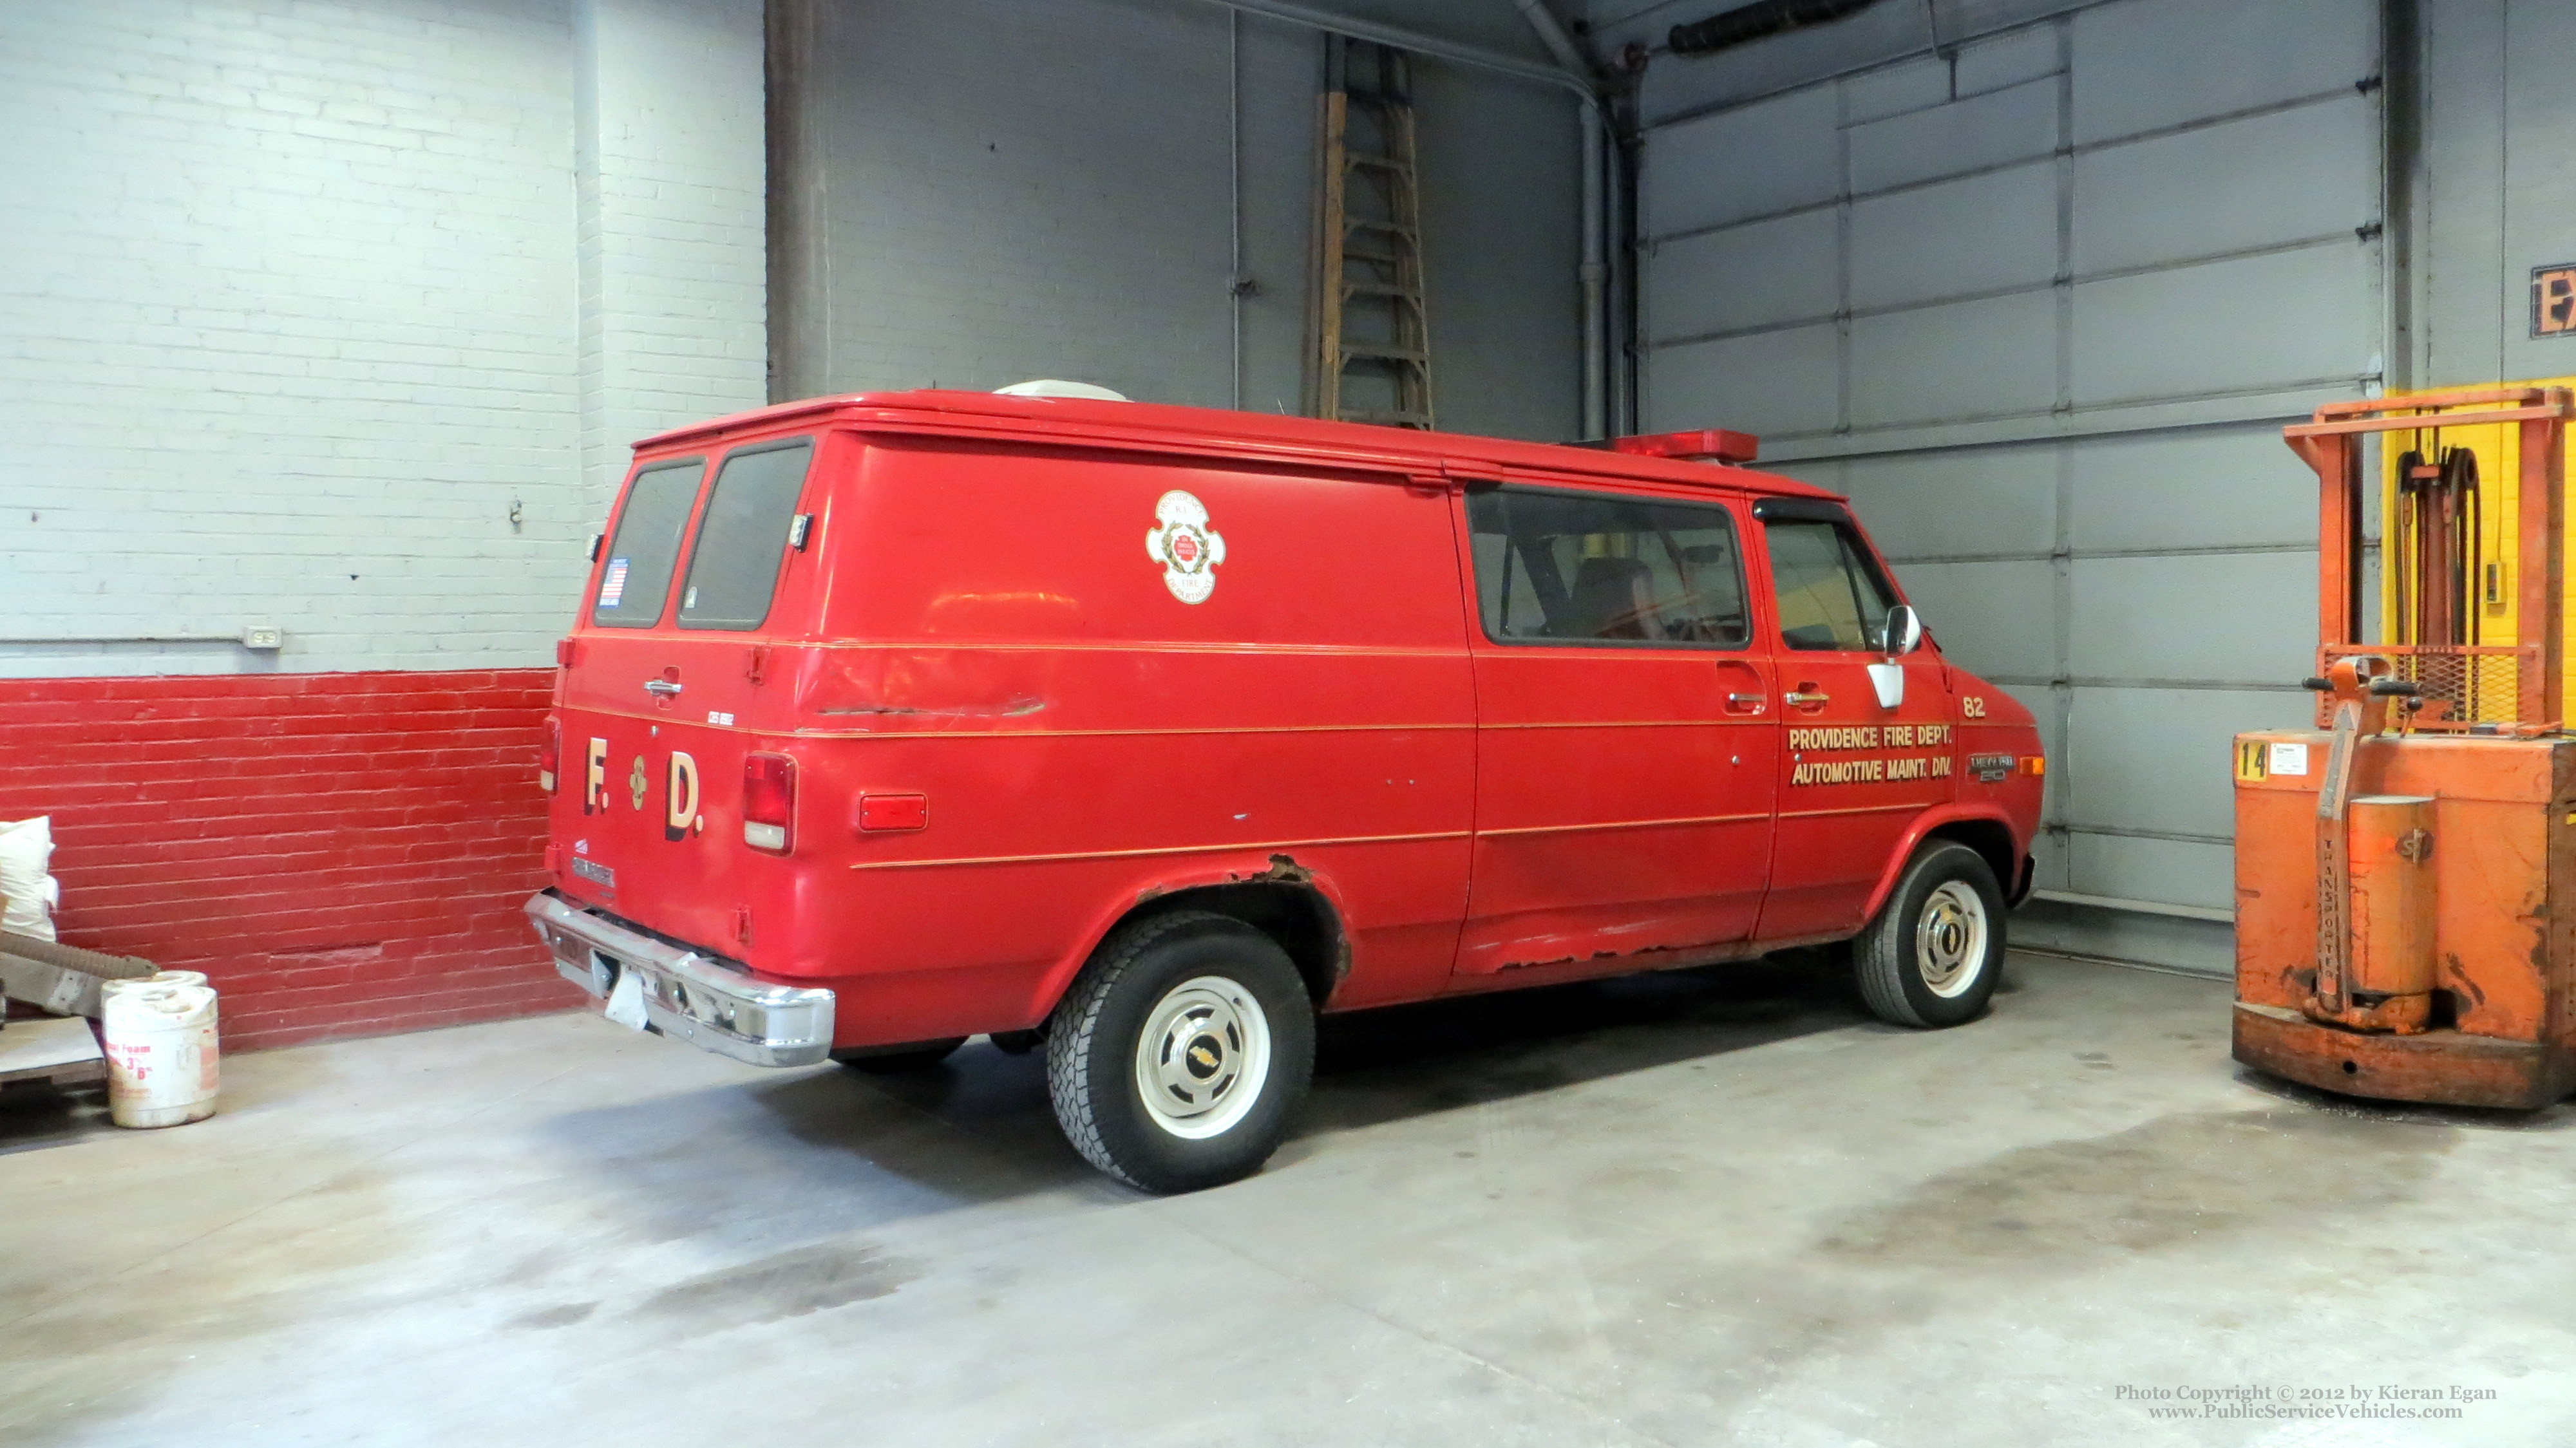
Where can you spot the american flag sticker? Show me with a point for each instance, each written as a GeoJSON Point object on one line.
{"type": "Point", "coordinates": [612, 584]}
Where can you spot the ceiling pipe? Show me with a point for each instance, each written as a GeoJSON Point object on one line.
{"type": "Point", "coordinates": [1552, 35]}
{"type": "Point", "coordinates": [1571, 73]}
{"type": "Point", "coordinates": [1595, 271]}
{"type": "Point", "coordinates": [1411, 40]}
{"type": "Point", "coordinates": [1747, 23]}
{"type": "Point", "coordinates": [1594, 275]}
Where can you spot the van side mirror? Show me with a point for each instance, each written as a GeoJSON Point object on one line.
{"type": "Point", "coordinates": [1903, 633]}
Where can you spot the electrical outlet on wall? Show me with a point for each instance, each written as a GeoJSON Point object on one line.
{"type": "Point", "coordinates": [263, 636]}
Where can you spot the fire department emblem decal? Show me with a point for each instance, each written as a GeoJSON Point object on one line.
{"type": "Point", "coordinates": [1186, 546]}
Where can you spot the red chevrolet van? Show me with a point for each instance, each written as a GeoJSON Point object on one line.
{"type": "Point", "coordinates": [1144, 734]}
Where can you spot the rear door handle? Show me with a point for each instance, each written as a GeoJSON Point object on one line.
{"type": "Point", "coordinates": [666, 688]}
{"type": "Point", "coordinates": [1746, 703]}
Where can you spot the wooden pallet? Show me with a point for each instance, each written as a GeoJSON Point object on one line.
{"type": "Point", "coordinates": [63, 1051]}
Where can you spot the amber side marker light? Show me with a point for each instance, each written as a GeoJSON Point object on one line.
{"type": "Point", "coordinates": [769, 802]}
{"type": "Point", "coordinates": [2035, 765]}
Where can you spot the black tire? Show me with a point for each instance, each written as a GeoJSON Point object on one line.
{"type": "Point", "coordinates": [1131, 987]}
{"type": "Point", "coordinates": [1914, 961]}
{"type": "Point", "coordinates": [896, 1060]}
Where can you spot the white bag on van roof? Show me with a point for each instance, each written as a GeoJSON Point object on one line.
{"type": "Point", "coordinates": [26, 848]}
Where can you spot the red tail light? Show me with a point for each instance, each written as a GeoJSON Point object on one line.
{"type": "Point", "coordinates": [550, 754]}
{"type": "Point", "coordinates": [769, 802]}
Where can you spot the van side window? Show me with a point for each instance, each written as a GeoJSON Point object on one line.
{"type": "Point", "coordinates": [636, 581]}
{"type": "Point", "coordinates": [1830, 593]}
{"type": "Point", "coordinates": [742, 541]}
{"type": "Point", "coordinates": [1598, 568]}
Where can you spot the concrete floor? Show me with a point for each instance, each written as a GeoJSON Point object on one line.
{"type": "Point", "coordinates": [1712, 1207]}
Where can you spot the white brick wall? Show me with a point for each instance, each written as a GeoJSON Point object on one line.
{"type": "Point", "coordinates": [294, 317]}
{"type": "Point", "coordinates": [672, 235]}
{"type": "Point", "coordinates": [300, 300]}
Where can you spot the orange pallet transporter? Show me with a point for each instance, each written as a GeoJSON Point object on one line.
{"type": "Point", "coordinates": [2406, 875]}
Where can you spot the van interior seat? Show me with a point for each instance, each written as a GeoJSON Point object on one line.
{"type": "Point", "coordinates": [1614, 599]}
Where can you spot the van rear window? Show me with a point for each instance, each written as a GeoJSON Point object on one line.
{"type": "Point", "coordinates": [636, 581]}
{"type": "Point", "coordinates": [742, 541]}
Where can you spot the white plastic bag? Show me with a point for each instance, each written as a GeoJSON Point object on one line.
{"type": "Point", "coordinates": [26, 848]}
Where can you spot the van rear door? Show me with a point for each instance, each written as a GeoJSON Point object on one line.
{"type": "Point", "coordinates": [1856, 772]}
{"type": "Point", "coordinates": [664, 697]}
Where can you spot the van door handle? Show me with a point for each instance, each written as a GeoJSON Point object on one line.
{"type": "Point", "coordinates": [1798, 700]}
{"type": "Point", "coordinates": [664, 688]}
{"type": "Point", "coordinates": [1745, 703]}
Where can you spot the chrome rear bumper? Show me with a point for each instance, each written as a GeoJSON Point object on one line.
{"type": "Point", "coordinates": [685, 995]}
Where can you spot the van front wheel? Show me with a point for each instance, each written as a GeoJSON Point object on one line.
{"type": "Point", "coordinates": [1932, 956]}
{"type": "Point", "coordinates": [1177, 1055]}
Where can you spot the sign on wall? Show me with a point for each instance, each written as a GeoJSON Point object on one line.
{"type": "Point", "coordinates": [2553, 300]}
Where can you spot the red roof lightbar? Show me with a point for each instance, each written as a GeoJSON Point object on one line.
{"type": "Point", "coordinates": [1708, 445]}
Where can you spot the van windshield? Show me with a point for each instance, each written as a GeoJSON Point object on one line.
{"type": "Point", "coordinates": [636, 581]}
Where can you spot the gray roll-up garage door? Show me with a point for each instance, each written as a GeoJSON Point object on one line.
{"type": "Point", "coordinates": [2041, 305]}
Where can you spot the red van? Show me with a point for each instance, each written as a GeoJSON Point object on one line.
{"type": "Point", "coordinates": [1147, 733]}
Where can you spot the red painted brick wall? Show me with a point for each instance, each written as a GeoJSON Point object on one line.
{"type": "Point", "coordinates": [341, 853]}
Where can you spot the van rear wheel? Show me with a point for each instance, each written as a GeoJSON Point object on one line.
{"type": "Point", "coordinates": [1932, 956]}
{"type": "Point", "coordinates": [1177, 1055]}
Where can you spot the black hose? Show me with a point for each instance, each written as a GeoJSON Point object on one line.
{"type": "Point", "coordinates": [1752, 22]}
{"type": "Point", "coordinates": [2407, 545]}
{"type": "Point", "coordinates": [2462, 467]}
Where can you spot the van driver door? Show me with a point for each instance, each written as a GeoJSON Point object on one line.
{"type": "Point", "coordinates": [1626, 735]}
{"type": "Point", "coordinates": [1857, 770]}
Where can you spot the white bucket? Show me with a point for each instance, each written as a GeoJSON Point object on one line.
{"type": "Point", "coordinates": [162, 1063]}
{"type": "Point", "coordinates": [178, 977]}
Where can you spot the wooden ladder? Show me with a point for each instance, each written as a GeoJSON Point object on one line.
{"type": "Point", "coordinates": [1372, 331]}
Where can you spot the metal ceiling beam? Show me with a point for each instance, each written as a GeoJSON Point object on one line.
{"type": "Point", "coordinates": [1414, 41]}
{"type": "Point", "coordinates": [1551, 33]}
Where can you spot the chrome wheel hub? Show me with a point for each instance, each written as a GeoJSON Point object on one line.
{"type": "Point", "coordinates": [1203, 1057]}
{"type": "Point", "coordinates": [1950, 939]}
